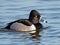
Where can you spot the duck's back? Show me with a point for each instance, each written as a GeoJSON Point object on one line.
{"type": "Point", "coordinates": [24, 21]}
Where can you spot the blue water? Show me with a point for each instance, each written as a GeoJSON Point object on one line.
{"type": "Point", "coordinates": [11, 10]}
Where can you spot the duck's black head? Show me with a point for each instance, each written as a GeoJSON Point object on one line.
{"type": "Point", "coordinates": [34, 16]}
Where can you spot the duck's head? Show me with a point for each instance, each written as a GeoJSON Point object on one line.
{"type": "Point", "coordinates": [34, 17]}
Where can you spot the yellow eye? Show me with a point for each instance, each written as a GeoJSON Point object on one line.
{"type": "Point", "coordinates": [36, 16]}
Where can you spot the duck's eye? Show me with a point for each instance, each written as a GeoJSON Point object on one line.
{"type": "Point", "coordinates": [36, 16]}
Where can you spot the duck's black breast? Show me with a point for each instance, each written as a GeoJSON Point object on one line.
{"type": "Point", "coordinates": [39, 26]}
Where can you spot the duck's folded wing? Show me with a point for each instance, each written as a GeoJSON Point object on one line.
{"type": "Point", "coordinates": [23, 21]}
{"type": "Point", "coordinates": [9, 24]}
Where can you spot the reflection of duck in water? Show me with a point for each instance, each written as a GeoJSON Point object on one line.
{"type": "Point", "coordinates": [36, 35]}
{"type": "Point", "coordinates": [26, 24]}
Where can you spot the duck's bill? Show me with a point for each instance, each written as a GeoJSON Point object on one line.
{"type": "Point", "coordinates": [42, 20]}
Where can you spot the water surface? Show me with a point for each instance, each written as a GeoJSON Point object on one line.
{"type": "Point", "coordinates": [11, 10]}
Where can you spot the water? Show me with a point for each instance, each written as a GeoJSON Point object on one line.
{"type": "Point", "coordinates": [11, 10]}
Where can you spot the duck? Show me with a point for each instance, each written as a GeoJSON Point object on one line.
{"type": "Point", "coordinates": [26, 24]}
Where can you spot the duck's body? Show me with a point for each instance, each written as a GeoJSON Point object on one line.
{"type": "Point", "coordinates": [23, 25]}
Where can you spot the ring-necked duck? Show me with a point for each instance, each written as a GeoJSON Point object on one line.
{"type": "Point", "coordinates": [26, 24]}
